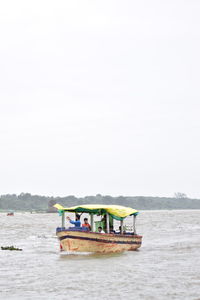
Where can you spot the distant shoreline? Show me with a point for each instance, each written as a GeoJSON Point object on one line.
{"type": "Point", "coordinates": [140, 210]}
{"type": "Point", "coordinates": [25, 202]}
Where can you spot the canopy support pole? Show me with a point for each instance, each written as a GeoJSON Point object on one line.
{"type": "Point", "coordinates": [121, 224]}
{"type": "Point", "coordinates": [92, 221]}
{"type": "Point", "coordinates": [63, 219]}
{"type": "Point", "coordinates": [107, 223]}
{"type": "Point", "coordinates": [134, 221]}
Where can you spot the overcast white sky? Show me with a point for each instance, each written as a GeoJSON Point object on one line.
{"type": "Point", "coordinates": [100, 97]}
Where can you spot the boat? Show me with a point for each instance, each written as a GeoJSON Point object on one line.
{"type": "Point", "coordinates": [80, 239]}
{"type": "Point", "coordinates": [10, 214]}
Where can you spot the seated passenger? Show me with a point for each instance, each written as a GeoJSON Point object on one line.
{"type": "Point", "coordinates": [112, 229]}
{"type": "Point", "coordinates": [77, 223]}
{"type": "Point", "coordinates": [100, 230]}
{"type": "Point", "coordinates": [86, 224]}
{"type": "Point", "coordinates": [124, 231]}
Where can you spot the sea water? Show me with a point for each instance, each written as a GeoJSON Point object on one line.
{"type": "Point", "coordinates": [167, 266]}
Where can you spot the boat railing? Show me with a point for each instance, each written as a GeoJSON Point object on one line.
{"type": "Point", "coordinates": [58, 229]}
{"type": "Point", "coordinates": [128, 230]}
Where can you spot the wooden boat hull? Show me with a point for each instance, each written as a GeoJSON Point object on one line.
{"type": "Point", "coordinates": [78, 241]}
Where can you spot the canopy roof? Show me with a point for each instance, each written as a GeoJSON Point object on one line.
{"type": "Point", "coordinates": [118, 212]}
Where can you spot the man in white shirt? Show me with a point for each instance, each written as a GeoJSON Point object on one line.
{"type": "Point", "coordinates": [100, 230]}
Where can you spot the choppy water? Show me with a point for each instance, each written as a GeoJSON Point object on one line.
{"type": "Point", "coordinates": [167, 266]}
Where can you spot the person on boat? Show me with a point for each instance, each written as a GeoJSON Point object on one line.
{"type": "Point", "coordinates": [100, 230]}
{"type": "Point", "coordinates": [112, 229]}
{"type": "Point", "coordinates": [77, 223]}
{"type": "Point", "coordinates": [119, 232]}
{"type": "Point", "coordinates": [86, 224]}
{"type": "Point", "coordinates": [104, 222]}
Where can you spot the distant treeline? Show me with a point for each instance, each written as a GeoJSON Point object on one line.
{"type": "Point", "coordinates": [28, 202]}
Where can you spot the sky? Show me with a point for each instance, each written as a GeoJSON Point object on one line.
{"type": "Point", "coordinates": [100, 97]}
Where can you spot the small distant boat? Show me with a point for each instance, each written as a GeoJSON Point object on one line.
{"type": "Point", "coordinates": [10, 214]}
{"type": "Point", "coordinates": [78, 239]}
